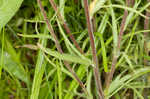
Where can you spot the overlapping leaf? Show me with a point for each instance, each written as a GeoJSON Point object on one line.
{"type": "Point", "coordinates": [8, 8]}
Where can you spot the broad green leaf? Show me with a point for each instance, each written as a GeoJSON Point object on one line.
{"type": "Point", "coordinates": [13, 68]}
{"type": "Point", "coordinates": [8, 8]}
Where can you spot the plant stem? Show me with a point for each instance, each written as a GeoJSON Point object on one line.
{"type": "Point", "coordinates": [76, 1]}
{"type": "Point", "coordinates": [59, 47]}
{"type": "Point", "coordinates": [91, 35]}
{"type": "Point", "coordinates": [94, 23]}
{"type": "Point", "coordinates": [65, 25]}
{"type": "Point", "coordinates": [115, 57]}
{"type": "Point", "coordinates": [146, 27]}
{"type": "Point", "coordinates": [132, 3]}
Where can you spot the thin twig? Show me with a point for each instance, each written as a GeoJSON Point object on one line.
{"type": "Point", "coordinates": [115, 57]}
{"type": "Point", "coordinates": [59, 47]}
{"type": "Point", "coordinates": [91, 35]}
{"type": "Point", "coordinates": [54, 6]}
{"type": "Point", "coordinates": [146, 27]}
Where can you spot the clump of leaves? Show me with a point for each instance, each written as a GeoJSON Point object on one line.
{"type": "Point", "coordinates": [91, 49]}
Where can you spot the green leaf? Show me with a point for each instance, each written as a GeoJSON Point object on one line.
{"type": "Point", "coordinates": [13, 68]}
{"type": "Point", "coordinates": [114, 28]}
{"type": "Point", "coordinates": [67, 57]}
{"type": "Point", "coordinates": [121, 82]}
{"type": "Point", "coordinates": [8, 8]}
{"type": "Point", "coordinates": [103, 53]}
{"type": "Point", "coordinates": [39, 69]}
{"type": "Point", "coordinates": [98, 5]}
{"type": "Point", "coordinates": [147, 57]}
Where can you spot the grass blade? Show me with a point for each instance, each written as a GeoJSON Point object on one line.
{"type": "Point", "coordinates": [66, 57]}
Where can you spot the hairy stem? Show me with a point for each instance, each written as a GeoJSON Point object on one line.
{"type": "Point", "coordinates": [59, 47]}
{"type": "Point", "coordinates": [54, 6]}
{"type": "Point", "coordinates": [132, 3]}
{"type": "Point", "coordinates": [115, 57]}
{"type": "Point", "coordinates": [146, 27]}
{"type": "Point", "coordinates": [91, 36]}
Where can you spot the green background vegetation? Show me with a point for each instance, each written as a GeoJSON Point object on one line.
{"type": "Point", "coordinates": [28, 71]}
